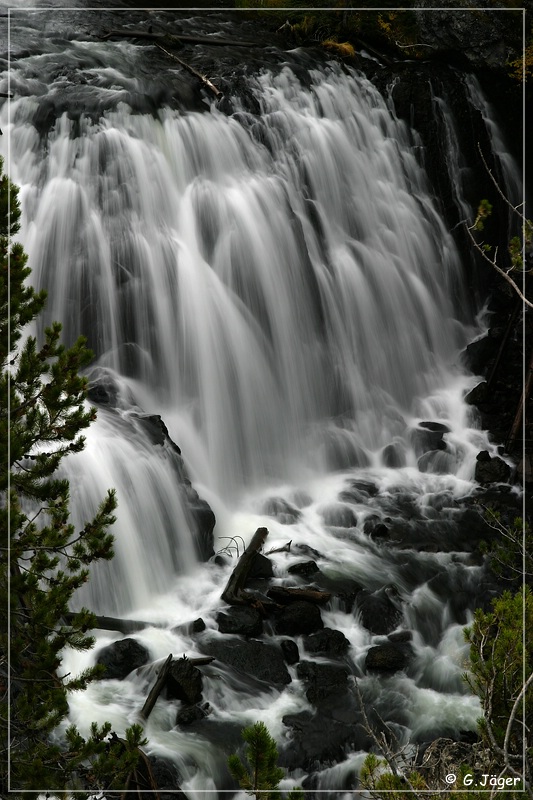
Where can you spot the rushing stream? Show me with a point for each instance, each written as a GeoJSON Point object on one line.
{"type": "Point", "coordinates": [280, 287]}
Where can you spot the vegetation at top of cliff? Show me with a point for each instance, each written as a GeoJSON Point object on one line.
{"type": "Point", "coordinates": [342, 30]}
{"type": "Point", "coordinates": [43, 559]}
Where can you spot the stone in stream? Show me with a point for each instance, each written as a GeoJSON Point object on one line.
{"type": "Point", "coordinates": [491, 470]}
{"type": "Point", "coordinates": [378, 611]}
{"type": "Point", "coordinates": [393, 455]}
{"type": "Point", "coordinates": [428, 436]}
{"type": "Point", "coordinates": [327, 642]}
{"type": "Point", "coordinates": [322, 680]}
{"type": "Point", "coordinates": [184, 682]}
{"type": "Point", "coordinates": [298, 618]}
{"type": "Point", "coordinates": [283, 511]}
{"type": "Point", "coordinates": [339, 515]}
{"type": "Point", "coordinates": [304, 568]}
{"type": "Point", "coordinates": [241, 620]}
{"type": "Point", "coordinates": [390, 657]}
{"type": "Point", "coordinates": [122, 657]}
{"type": "Point", "coordinates": [257, 659]}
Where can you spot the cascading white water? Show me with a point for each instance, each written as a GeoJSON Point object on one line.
{"type": "Point", "coordinates": [283, 291]}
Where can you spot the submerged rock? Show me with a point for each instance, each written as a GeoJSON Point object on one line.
{"type": "Point", "coordinates": [283, 511]}
{"type": "Point", "coordinates": [388, 657]}
{"type": "Point", "coordinates": [298, 618]}
{"type": "Point", "coordinates": [327, 642]}
{"type": "Point", "coordinates": [241, 620]}
{"type": "Point", "coordinates": [322, 680]}
{"type": "Point", "coordinates": [258, 659]}
{"type": "Point", "coordinates": [377, 611]}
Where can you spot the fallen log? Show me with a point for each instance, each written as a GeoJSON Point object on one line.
{"type": "Point", "coordinates": [137, 33]}
{"type": "Point", "coordinates": [284, 596]}
{"type": "Point", "coordinates": [156, 689]}
{"type": "Point", "coordinates": [233, 593]}
{"type": "Point", "coordinates": [113, 624]}
{"type": "Point", "coordinates": [204, 80]}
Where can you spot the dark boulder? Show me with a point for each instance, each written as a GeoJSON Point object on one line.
{"type": "Point", "coordinates": [378, 611]}
{"type": "Point", "coordinates": [393, 455]}
{"type": "Point", "coordinates": [478, 394]}
{"type": "Point", "coordinates": [257, 659]}
{"type": "Point", "coordinates": [424, 439]}
{"type": "Point", "coordinates": [491, 470]}
{"type": "Point", "coordinates": [303, 568]}
{"type": "Point", "coordinates": [203, 522]}
{"type": "Point", "coordinates": [122, 657]}
{"type": "Point", "coordinates": [358, 491]}
{"type": "Point", "coordinates": [241, 620]}
{"type": "Point", "coordinates": [289, 648]}
{"type": "Point", "coordinates": [436, 462]}
{"type": "Point", "coordinates": [184, 682]}
{"type": "Point", "coordinates": [283, 511]}
{"type": "Point", "coordinates": [339, 516]}
{"type": "Point", "coordinates": [322, 680]}
{"type": "Point", "coordinates": [327, 642]}
{"type": "Point", "coordinates": [166, 777]}
{"type": "Point", "coordinates": [319, 741]}
{"type": "Point", "coordinates": [260, 568]}
{"type": "Point", "coordinates": [188, 714]}
{"type": "Point", "coordinates": [298, 618]}
{"type": "Point", "coordinates": [388, 657]}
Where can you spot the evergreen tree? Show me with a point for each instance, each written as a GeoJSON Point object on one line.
{"type": "Point", "coordinates": [44, 560]}
{"type": "Point", "coordinates": [259, 774]}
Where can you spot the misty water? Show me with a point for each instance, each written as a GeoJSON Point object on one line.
{"type": "Point", "coordinates": [282, 289]}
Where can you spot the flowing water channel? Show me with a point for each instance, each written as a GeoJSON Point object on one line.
{"type": "Point", "coordinates": [281, 288]}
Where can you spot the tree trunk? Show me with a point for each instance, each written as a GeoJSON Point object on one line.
{"type": "Point", "coordinates": [284, 596]}
{"type": "Point", "coordinates": [233, 594]}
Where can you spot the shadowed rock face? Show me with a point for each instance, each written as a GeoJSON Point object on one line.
{"type": "Point", "coordinates": [481, 38]}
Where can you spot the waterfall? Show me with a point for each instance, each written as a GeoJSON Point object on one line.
{"type": "Point", "coordinates": [281, 288]}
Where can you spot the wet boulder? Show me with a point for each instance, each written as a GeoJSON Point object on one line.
{"type": "Point", "coordinates": [303, 568]}
{"type": "Point", "coordinates": [393, 455]}
{"type": "Point", "coordinates": [322, 680]}
{"type": "Point", "coordinates": [283, 511]}
{"type": "Point", "coordinates": [358, 491]}
{"type": "Point", "coordinates": [188, 714]}
{"type": "Point", "coordinates": [390, 657]}
{"type": "Point", "coordinates": [379, 611]}
{"type": "Point", "coordinates": [339, 515]}
{"type": "Point", "coordinates": [241, 620]}
{"type": "Point", "coordinates": [436, 462]}
{"type": "Point", "coordinates": [298, 618]}
{"type": "Point", "coordinates": [478, 394]}
{"type": "Point", "coordinates": [260, 660]}
{"type": "Point", "coordinates": [319, 740]}
{"type": "Point", "coordinates": [491, 470]}
{"type": "Point", "coordinates": [327, 642]}
{"type": "Point", "coordinates": [122, 657]}
{"type": "Point", "coordinates": [428, 436]}
{"type": "Point", "coordinates": [184, 682]}
{"type": "Point", "coordinates": [260, 568]}
{"type": "Point", "coordinates": [289, 648]}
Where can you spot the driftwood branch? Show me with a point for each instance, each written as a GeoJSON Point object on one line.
{"type": "Point", "coordinates": [233, 593]}
{"type": "Point", "coordinates": [137, 33]}
{"type": "Point", "coordinates": [286, 548]}
{"type": "Point", "coordinates": [113, 624]}
{"type": "Point", "coordinates": [204, 80]}
{"type": "Point", "coordinates": [284, 596]}
{"type": "Point", "coordinates": [156, 689]}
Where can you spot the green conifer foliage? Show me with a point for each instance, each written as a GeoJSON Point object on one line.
{"type": "Point", "coordinates": [43, 559]}
{"type": "Point", "coordinates": [259, 774]}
